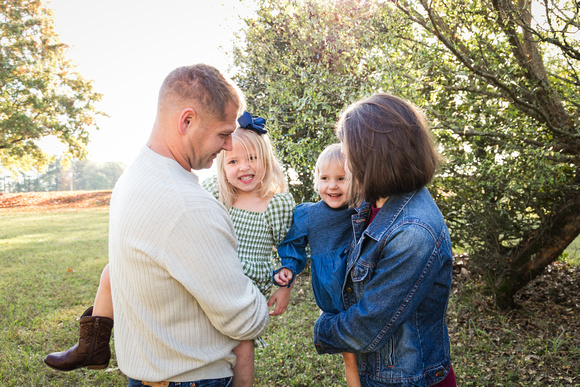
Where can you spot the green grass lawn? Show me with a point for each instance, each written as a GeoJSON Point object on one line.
{"type": "Point", "coordinates": [50, 263]}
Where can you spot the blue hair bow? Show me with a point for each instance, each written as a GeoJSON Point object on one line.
{"type": "Point", "coordinates": [248, 121]}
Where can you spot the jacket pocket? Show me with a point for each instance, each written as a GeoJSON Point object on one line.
{"type": "Point", "coordinates": [388, 353]}
{"type": "Point", "coordinates": [360, 272]}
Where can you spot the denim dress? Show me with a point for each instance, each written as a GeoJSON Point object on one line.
{"type": "Point", "coordinates": [328, 231]}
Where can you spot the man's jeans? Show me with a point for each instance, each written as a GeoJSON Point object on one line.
{"type": "Point", "coordinates": [225, 382]}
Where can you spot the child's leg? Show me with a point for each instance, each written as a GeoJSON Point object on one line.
{"type": "Point", "coordinates": [92, 349]}
{"type": "Point", "coordinates": [244, 369]}
{"type": "Point", "coordinates": [351, 370]}
{"type": "Point", "coordinates": [103, 300]}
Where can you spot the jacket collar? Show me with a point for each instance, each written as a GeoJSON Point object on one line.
{"type": "Point", "coordinates": [384, 219]}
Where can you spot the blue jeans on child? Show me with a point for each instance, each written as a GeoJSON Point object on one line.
{"type": "Point", "coordinates": [224, 382]}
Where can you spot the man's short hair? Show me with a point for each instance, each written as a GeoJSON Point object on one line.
{"type": "Point", "coordinates": [205, 86]}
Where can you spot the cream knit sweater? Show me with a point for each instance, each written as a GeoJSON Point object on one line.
{"type": "Point", "coordinates": [181, 300]}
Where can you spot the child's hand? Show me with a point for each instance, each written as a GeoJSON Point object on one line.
{"type": "Point", "coordinates": [283, 277]}
{"type": "Point", "coordinates": [280, 300]}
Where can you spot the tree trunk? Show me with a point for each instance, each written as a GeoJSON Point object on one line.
{"type": "Point", "coordinates": [539, 249]}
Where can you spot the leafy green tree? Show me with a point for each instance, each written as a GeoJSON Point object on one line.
{"type": "Point", "coordinates": [52, 178]}
{"type": "Point", "coordinates": [502, 90]}
{"type": "Point", "coordinates": [28, 182]}
{"type": "Point", "coordinates": [88, 175]}
{"type": "Point", "coordinates": [498, 79]}
{"type": "Point", "coordinates": [111, 172]}
{"type": "Point", "coordinates": [299, 64]}
{"type": "Point", "coordinates": [41, 94]}
{"type": "Point", "coordinates": [78, 175]}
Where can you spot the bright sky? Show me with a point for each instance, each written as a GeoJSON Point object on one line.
{"type": "Point", "coordinates": [127, 48]}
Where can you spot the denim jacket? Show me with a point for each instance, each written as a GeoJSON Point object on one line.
{"type": "Point", "coordinates": [395, 293]}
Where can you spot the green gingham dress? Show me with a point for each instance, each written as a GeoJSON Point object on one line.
{"type": "Point", "coordinates": [259, 233]}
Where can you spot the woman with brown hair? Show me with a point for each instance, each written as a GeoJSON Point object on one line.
{"type": "Point", "coordinates": [399, 266]}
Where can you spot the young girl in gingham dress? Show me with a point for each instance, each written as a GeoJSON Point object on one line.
{"type": "Point", "coordinates": [251, 185]}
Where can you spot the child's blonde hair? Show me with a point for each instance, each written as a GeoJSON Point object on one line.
{"type": "Point", "coordinates": [273, 181]}
{"type": "Point", "coordinates": [330, 154]}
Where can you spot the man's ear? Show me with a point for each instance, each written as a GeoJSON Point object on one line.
{"type": "Point", "coordinates": [186, 117]}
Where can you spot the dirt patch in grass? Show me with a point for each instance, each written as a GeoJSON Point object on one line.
{"type": "Point", "coordinates": [53, 201]}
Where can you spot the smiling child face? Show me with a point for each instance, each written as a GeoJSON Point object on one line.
{"type": "Point", "coordinates": [332, 186]}
{"type": "Point", "coordinates": [243, 169]}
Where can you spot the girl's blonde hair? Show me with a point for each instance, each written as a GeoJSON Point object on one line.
{"type": "Point", "coordinates": [330, 154]}
{"type": "Point", "coordinates": [273, 181]}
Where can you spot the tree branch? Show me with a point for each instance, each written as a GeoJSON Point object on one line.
{"type": "Point", "coordinates": [462, 54]}
{"type": "Point", "coordinates": [567, 157]}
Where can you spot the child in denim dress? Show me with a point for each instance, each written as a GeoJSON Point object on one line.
{"type": "Point", "coordinates": [326, 227]}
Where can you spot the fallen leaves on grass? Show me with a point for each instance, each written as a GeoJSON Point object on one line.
{"type": "Point", "coordinates": [53, 201]}
{"type": "Point", "coordinates": [536, 344]}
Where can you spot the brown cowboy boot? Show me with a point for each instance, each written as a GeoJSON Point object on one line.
{"type": "Point", "coordinates": [91, 351]}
